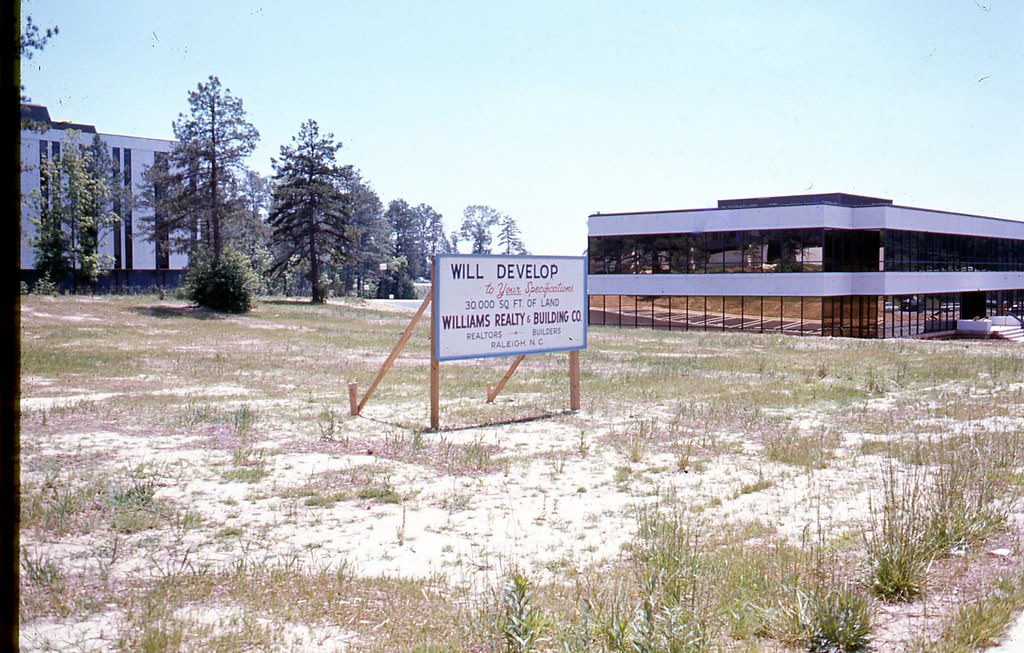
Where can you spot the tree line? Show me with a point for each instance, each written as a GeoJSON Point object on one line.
{"type": "Point", "coordinates": [314, 227]}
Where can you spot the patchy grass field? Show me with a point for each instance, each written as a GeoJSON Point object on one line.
{"type": "Point", "coordinates": [192, 481]}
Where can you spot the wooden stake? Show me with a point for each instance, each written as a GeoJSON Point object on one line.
{"type": "Point", "coordinates": [353, 399]}
{"type": "Point", "coordinates": [395, 352]}
{"type": "Point", "coordinates": [492, 394]}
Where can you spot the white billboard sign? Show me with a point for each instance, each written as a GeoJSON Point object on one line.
{"type": "Point", "coordinates": [507, 305]}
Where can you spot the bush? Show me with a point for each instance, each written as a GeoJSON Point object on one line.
{"type": "Point", "coordinates": [45, 287]}
{"type": "Point", "coordinates": [227, 285]}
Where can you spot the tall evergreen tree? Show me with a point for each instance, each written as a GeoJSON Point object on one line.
{"type": "Point", "coordinates": [509, 239]}
{"type": "Point", "coordinates": [196, 189]}
{"type": "Point", "coordinates": [310, 212]}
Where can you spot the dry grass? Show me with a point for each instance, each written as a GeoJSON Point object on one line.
{"type": "Point", "coordinates": [193, 481]}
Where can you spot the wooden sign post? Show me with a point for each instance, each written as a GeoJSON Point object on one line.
{"type": "Point", "coordinates": [484, 306]}
{"type": "Point", "coordinates": [435, 365]}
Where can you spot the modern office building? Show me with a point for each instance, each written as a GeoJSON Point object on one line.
{"type": "Point", "coordinates": [136, 261]}
{"type": "Point", "coordinates": [827, 264]}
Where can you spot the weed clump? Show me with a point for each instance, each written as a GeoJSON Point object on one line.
{"type": "Point", "coordinates": [523, 626]}
{"type": "Point", "coordinates": [898, 553]}
{"type": "Point", "coordinates": [841, 622]}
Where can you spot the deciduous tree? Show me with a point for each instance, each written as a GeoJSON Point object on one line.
{"type": "Point", "coordinates": [477, 222]}
{"type": "Point", "coordinates": [408, 234]}
{"type": "Point", "coordinates": [72, 206]}
{"type": "Point", "coordinates": [32, 39]}
{"type": "Point", "coordinates": [247, 230]}
{"type": "Point", "coordinates": [370, 235]}
{"type": "Point", "coordinates": [434, 240]}
{"type": "Point", "coordinates": [419, 235]}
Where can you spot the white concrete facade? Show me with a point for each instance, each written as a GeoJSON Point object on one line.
{"type": "Point", "coordinates": [803, 216]}
{"type": "Point", "coordinates": [801, 284]}
{"type": "Point", "coordinates": [125, 244]}
{"type": "Point", "coordinates": [829, 264]}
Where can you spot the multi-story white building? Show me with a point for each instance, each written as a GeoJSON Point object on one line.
{"type": "Point", "coordinates": [138, 261]}
{"type": "Point", "coordinates": [827, 264]}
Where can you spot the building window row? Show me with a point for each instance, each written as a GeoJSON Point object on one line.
{"type": "Point", "coordinates": [791, 250]}
{"type": "Point", "coordinates": [802, 250]}
{"type": "Point", "coordinates": [124, 255]}
{"type": "Point", "coordinates": [856, 316]}
{"type": "Point", "coordinates": [918, 251]}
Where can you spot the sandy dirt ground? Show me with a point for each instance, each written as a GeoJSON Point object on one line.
{"type": "Point", "coordinates": [551, 495]}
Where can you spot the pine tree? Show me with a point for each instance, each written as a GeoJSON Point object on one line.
{"type": "Point", "coordinates": [196, 190]}
{"type": "Point", "coordinates": [509, 239]}
{"type": "Point", "coordinates": [310, 211]}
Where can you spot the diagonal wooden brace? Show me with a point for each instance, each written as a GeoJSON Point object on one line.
{"type": "Point", "coordinates": [356, 409]}
{"type": "Point", "coordinates": [493, 394]}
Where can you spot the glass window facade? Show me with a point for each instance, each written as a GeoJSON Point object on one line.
{"type": "Point", "coordinates": [797, 315]}
{"type": "Point", "coordinates": [805, 250]}
{"type": "Point", "coordinates": [126, 215]}
{"type": "Point", "coordinates": [915, 251]}
{"type": "Point", "coordinates": [856, 316]}
{"type": "Point", "coordinates": [115, 155]}
{"type": "Point", "coordinates": [161, 235]}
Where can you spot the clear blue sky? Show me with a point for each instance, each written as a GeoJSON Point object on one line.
{"type": "Point", "coordinates": [552, 110]}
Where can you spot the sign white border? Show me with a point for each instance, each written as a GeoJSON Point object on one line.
{"type": "Point", "coordinates": [490, 305]}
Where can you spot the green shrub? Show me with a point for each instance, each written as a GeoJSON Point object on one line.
{"type": "Point", "coordinates": [44, 286]}
{"type": "Point", "coordinates": [227, 285]}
